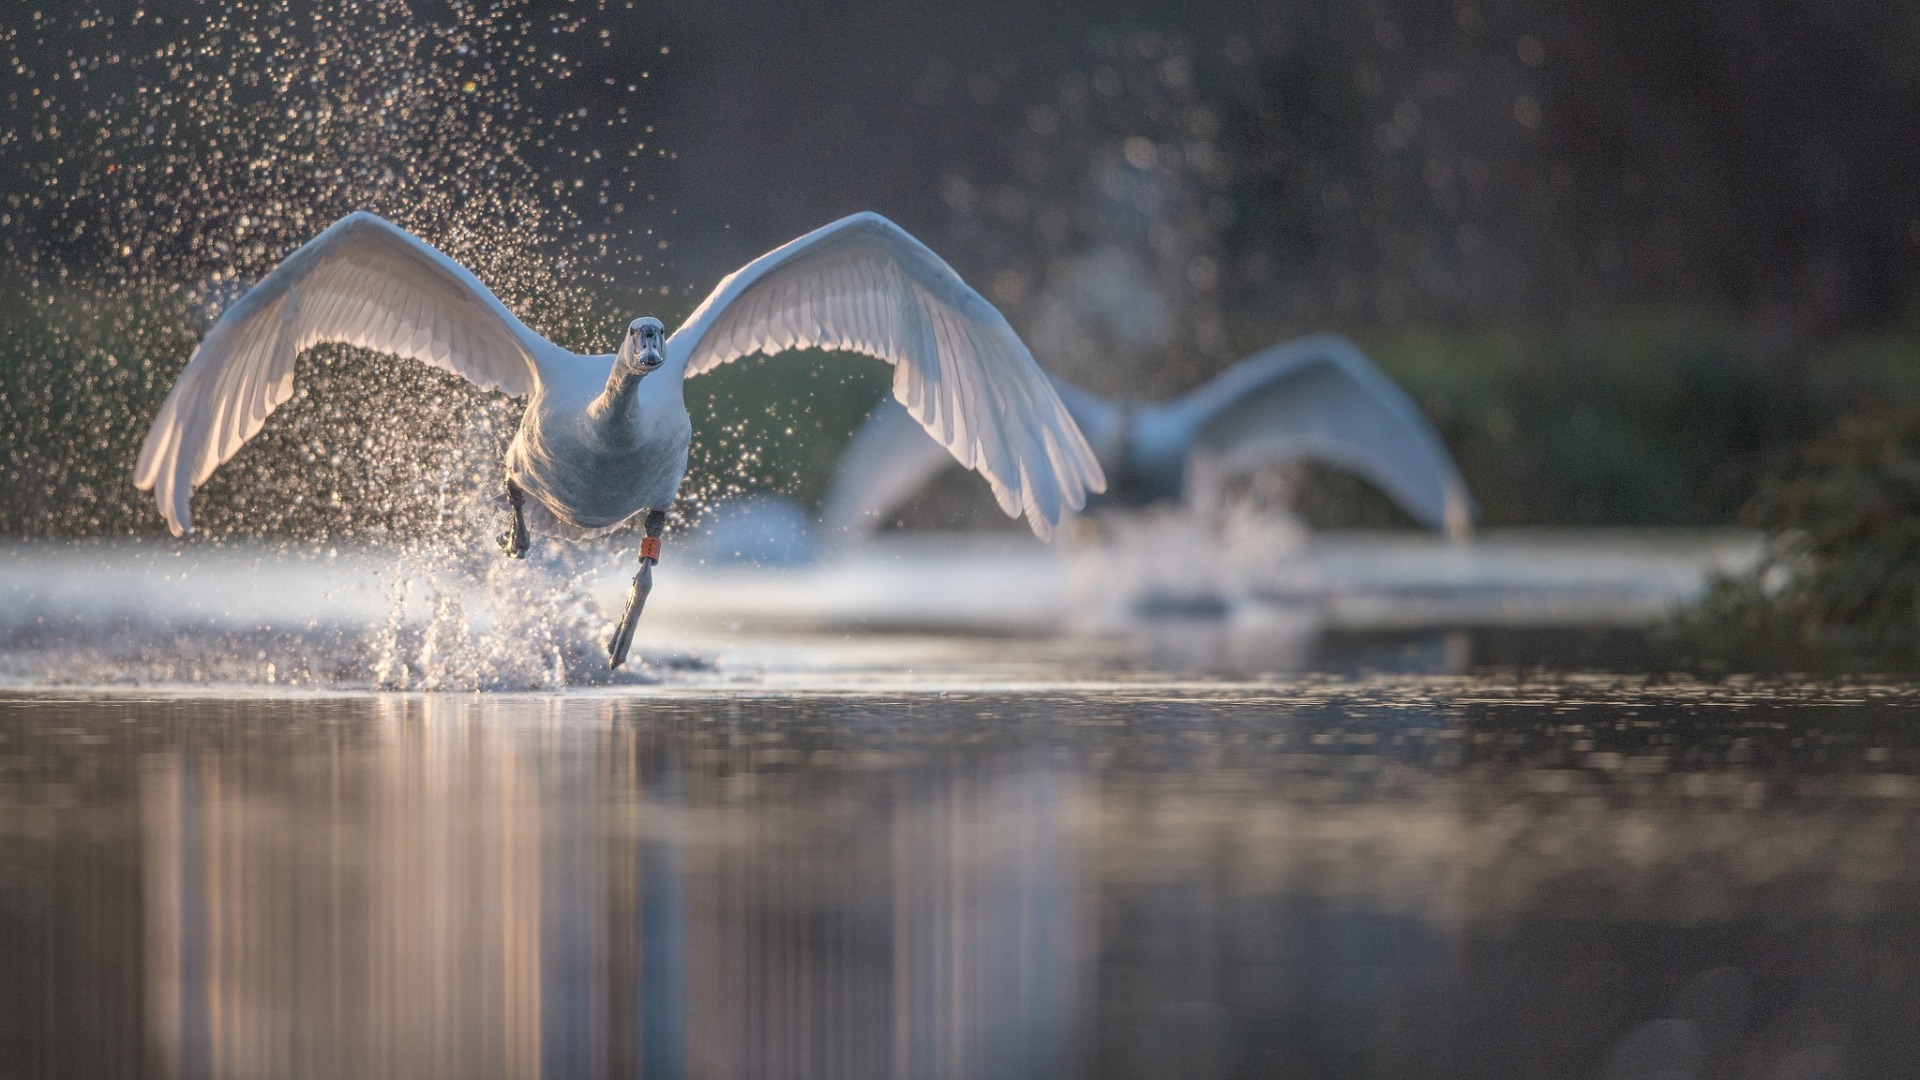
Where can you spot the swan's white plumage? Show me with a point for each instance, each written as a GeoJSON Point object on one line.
{"type": "Point", "coordinates": [1320, 397]}
{"type": "Point", "coordinates": [863, 285]}
{"type": "Point", "coordinates": [362, 282]}
{"type": "Point", "coordinates": [1316, 397]}
{"type": "Point", "coordinates": [860, 284]}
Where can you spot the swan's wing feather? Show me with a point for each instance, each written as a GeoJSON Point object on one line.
{"type": "Point", "coordinates": [889, 459]}
{"type": "Point", "coordinates": [1320, 397]}
{"type": "Point", "coordinates": [362, 282]}
{"type": "Point", "coordinates": [862, 284]}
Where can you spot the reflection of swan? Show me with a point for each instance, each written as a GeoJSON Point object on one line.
{"type": "Point", "coordinates": [605, 439]}
{"type": "Point", "coordinates": [1316, 397]}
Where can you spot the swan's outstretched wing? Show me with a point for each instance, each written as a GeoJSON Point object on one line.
{"type": "Point", "coordinates": [362, 282]}
{"type": "Point", "coordinates": [890, 458]}
{"type": "Point", "coordinates": [1320, 397]}
{"type": "Point", "coordinates": [863, 285]}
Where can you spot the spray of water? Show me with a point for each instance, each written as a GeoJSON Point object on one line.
{"type": "Point", "coordinates": [156, 163]}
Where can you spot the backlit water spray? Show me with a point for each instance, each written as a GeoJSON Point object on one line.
{"type": "Point", "coordinates": [156, 164]}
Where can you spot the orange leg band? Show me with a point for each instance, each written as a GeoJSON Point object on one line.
{"type": "Point", "coordinates": [650, 548]}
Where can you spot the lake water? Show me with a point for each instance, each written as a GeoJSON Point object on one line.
{"type": "Point", "coordinates": [1394, 876]}
{"type": "Point", "coordinates": [1241, 846]}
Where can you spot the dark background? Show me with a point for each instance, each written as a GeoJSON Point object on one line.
{"type": "Point", "coordinates": [1625, 255]}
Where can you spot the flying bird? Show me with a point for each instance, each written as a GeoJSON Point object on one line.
{"type": "Point", "coordinates": [604, 438]}
{"type": "Point", "coordinates": [1316, 397]}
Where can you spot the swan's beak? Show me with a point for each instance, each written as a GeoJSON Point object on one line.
{"type": "Point", "coordinates": [642, 354]}
{"type": "Point", "coordinates": [645, 348]}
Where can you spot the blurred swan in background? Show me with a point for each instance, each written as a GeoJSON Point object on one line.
{"type": "Point", "coordinates": [605, 438]}
{"type": "Point", "coordinates": [1314, 398]}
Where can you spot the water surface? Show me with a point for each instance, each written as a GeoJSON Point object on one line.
{"type": "Point", "coordinates": [1416, 876]}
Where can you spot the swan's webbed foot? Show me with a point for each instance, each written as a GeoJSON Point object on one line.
{"type": "Point", "coordinates": [622, 638]}
{"type": "Point", "coordinates": [515, 541]}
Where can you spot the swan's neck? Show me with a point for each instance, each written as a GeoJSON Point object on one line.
{"type": "Point", "coordinates": [614, 411]}
{"type": "Point", "coordinates": [623, 383]}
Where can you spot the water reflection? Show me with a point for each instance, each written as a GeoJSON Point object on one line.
{"type": "Point", "coordinates": [348, 913]}
{"type": "Point", "coordinates": [1389, 878]}
{"type": "Point", "coordinates": [451, 898]}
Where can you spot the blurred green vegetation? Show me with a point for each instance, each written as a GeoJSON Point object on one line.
{"type": "Point", "coordinates": [1839, 586]}
{"type": "Point", "coordinates": [778, 423]}
{"type": "Point", "coordinates": [1646, 419]}
{"type": "Point", "coordinates": [1642, 420]}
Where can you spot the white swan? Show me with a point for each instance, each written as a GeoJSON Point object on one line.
{"type": "Point", "coordinates": [605, 437]}
{"type": "Point", "coordinates": [1316, 397]}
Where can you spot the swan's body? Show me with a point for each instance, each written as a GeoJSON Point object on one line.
{"type": "Point", "coordinates": [605, 438]}
{"type": "Point", "coordinates": [592, 458]}
{"type": "Point", "coordinates": [1316, 397]}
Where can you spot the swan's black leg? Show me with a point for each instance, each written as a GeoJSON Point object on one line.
{"type": "Point", "coordinates": [514, 541]}
{"type": "Point", "coordinates": [622, 639]}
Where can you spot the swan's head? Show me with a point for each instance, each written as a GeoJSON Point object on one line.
{"type": "Point", "coordinates": [646, 345]}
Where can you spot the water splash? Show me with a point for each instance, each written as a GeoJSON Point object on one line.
{"type": "Point", "coordinates": [155, 164]}
{"type": "Point", "coordinates": [159, 163]}
{"type": "Point", "coordinates": [1174, 562]}
{"type": "Point", "coordinates": [461, 617]}
{"type": "Point", "coordinates": [447, 615]}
